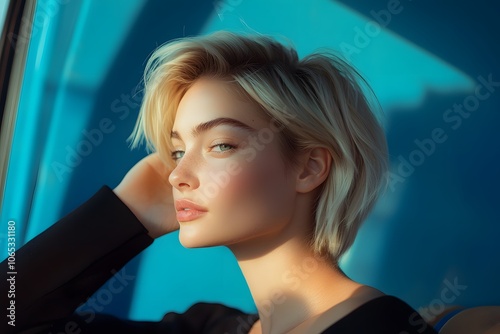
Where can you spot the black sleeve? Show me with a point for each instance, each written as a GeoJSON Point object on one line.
{"type": "Point", "coordinates": [201, 318]}
{"type": "Point", "coordinates": [60, 268]}
{"type": "Point", "coordinates": [383, 315]}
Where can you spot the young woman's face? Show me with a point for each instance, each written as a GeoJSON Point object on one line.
{"type": "Point", "coordinates": [235, 172]}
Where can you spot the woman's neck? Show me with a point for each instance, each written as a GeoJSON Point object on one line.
{"type": "Point", "coordinates": [288, 283]}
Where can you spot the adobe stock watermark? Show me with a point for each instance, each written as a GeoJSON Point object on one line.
{"type": "Point", "coordinates": [223, 6]}
{"type": "Point", "coordinates": [45, 11]}
{"type": "Point", "coordinates": [292, 280]}
{"type": "Point", "coordinates": [451, 291]}
{"type": "Point", "coordinates": [363, 36]}
{"type": "Point", "coordinates": [11, 273]}
{"type": "Point", "coordinates": [121, 108]}
{"type": "Point", "coordinates": [453, 118]}
{"type": "Point", "coordinates": [103, 297]}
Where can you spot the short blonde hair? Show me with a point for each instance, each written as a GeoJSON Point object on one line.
{"type": "Point", "coordinates": [321, 99]}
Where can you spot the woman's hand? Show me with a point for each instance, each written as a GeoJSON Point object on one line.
{"type": "Point", "coordinates": [146, 191]}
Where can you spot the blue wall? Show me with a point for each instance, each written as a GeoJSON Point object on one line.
{"type": "Point", "coordinates": [437, 223]}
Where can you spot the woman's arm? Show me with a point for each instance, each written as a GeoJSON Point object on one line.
{"type": "Point", "coordinates": [60, 268]}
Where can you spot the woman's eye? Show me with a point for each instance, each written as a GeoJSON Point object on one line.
{"type": "Point", "coordinates": [218, 148]}
{"type": "Point", "coordinates": [223, 147]}
{"type": "Point", "coordinates": [176, 155]}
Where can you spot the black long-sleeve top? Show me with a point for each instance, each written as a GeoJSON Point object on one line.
{"type": "Point", "coordinates": [62, 267]}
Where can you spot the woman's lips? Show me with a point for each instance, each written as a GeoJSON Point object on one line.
{"type": "Point", "coordinates": [188, 210]}
{"type": "Point", "coordinates": [188, 215]}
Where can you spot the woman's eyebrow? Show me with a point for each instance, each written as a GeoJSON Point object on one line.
{"type": "Point", "coordinates": [203, 127]}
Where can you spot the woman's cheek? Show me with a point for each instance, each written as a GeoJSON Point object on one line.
{"type": "Point", "coordinates": [256, 184]}
{"type": "Point", "coordinates": [234, 186]}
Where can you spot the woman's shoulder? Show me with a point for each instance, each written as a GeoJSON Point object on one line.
{"type": "Point", "coordinates": [367, 310]}
{"type": "Point", "coordinates": [377, 314]}
{"type": "Point", "coordinates": [382, 314]}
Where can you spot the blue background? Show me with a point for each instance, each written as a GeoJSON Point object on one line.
{"type": "Point", "coordinates": [437, 223]}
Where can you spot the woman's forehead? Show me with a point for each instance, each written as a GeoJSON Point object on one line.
{"type": "Point", "coordinates": [209, 98]}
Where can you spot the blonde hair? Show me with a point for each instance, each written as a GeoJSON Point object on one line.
{"type": "Point", "coordinates": [321, 99]}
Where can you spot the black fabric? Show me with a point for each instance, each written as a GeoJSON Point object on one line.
{"type": "Point", "coordinates": [386, 314]}
{"type": "Point", "coordinates": [63, 266]}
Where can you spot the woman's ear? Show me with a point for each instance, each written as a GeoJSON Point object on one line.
{"type": "Point", "coordinates": [314, 169]}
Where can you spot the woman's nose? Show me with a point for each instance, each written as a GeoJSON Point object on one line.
{"type": "Point", "coordinates": [183, 175]}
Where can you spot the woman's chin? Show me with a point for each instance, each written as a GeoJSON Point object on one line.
{"type": "Point", "coordinates": [192, 240]}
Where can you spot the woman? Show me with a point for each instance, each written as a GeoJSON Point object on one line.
{"type": "Point", "coordinates": [277, 158]}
